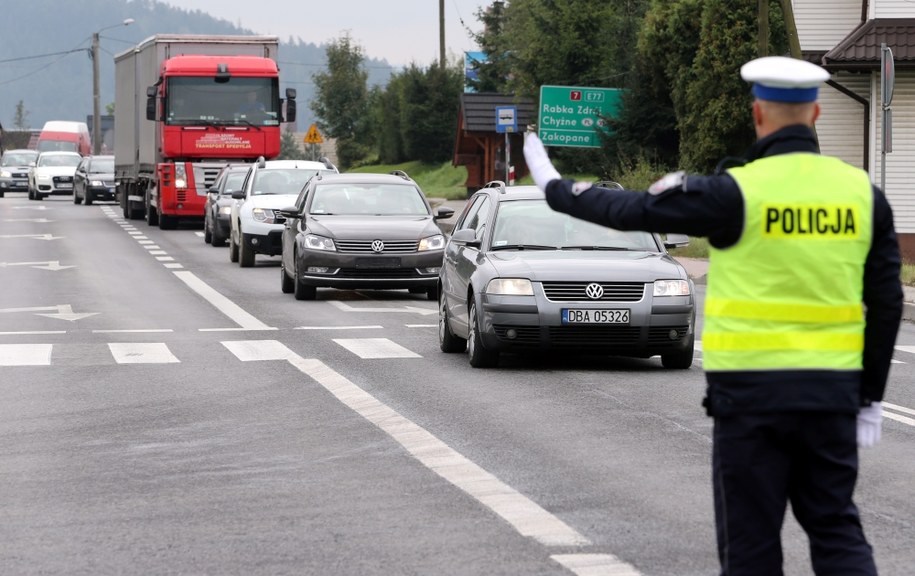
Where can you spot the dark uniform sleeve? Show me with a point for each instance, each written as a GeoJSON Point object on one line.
{"type": "Point", "coordinates": [883, 300]}
{"type": "Point", "coordinates": [710, 206]}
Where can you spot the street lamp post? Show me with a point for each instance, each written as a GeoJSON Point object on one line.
{"type": "Point", "coordinates": [96, 121]}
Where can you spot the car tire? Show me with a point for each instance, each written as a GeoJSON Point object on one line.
{"type": "Point", "coordinates": [233, 249]}
{"type": "Point", "coordinates": [77, 199]}
{"type": "Point", "coordinates": [207, 230]}
{"type": "Point", "coordinates": [245, 253]}
{"type": "Point", "coordinates": [88, 198]}
{"type": "Point", "coordinates": [302, 291]}
{"type": "Point", "coordinates": [217, 240]}
{"type": "Point", "coordinates": [432, 294]}
{"type": "Point", "coordinates": [287, 284]}
{"type": "Point", "coordinates": [478, 355]}
{"type": "Point", "coordinates": [447, 341]}
{"type": "Point", "coordinates": [680, 360]}
{"type": "Point", "coordinates": [31, 194]}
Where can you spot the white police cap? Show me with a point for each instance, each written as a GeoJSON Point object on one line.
{"type": "Point", "coordinates": [781, 79]}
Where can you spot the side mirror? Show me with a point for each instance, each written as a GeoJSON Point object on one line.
{"type": "Point", "coordinates": [213, 190]}
{"type": "Point", "coordinates": [290, 110]}
{"type": "Point", "coordinates": [443, 213]}
{"type": "Point", "coordinates": [238, 194]}
{"type": "Point", "coordinates": [676, 241]}
{"type": "Point", "coordinates": [288, 212]}
{"type": "Point", "coordinates": [151, 108]}
{"type": "Point", "coordinates": [466, 237]}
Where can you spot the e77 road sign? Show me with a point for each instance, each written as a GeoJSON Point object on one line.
{"type": "Point", "coordinates": [572, 115]}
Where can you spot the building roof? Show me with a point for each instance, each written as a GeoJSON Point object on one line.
{"type": "Point", "coordinates": [478, 110]}
{"type": "Point", "coordinates": [860, 50]}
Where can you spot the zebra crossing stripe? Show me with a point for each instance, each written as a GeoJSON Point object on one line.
{"type": "Point", "coordinates": [142, 353]}
{"type": "Point", "coordinates": [373, 348]}
{"type": "Point", "coordinates": [25, 354]}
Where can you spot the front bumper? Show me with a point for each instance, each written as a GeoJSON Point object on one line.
{"type": "Point", "coordinates": [14, 184]}
{"type": "Point", "coordinates": [656, 325]}
{"type": "Point", "coordinates": [100, 192]}
{"type": "Point", "coordinates": [378, 271]}
{"type": "Point", "coordinates": [270, 244]}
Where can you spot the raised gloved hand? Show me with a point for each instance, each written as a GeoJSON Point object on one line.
{"type": "Point", "coordinates": [538, 162]}
{"type": "Point", "coordinates": [869, 421]}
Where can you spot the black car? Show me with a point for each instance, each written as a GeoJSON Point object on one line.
{"type": "Point", "coordinates": [218, 209]}
{"type": "Point", "coordinates": [94, 180]}
{"type": "Point", "coordinates": [373, 231]}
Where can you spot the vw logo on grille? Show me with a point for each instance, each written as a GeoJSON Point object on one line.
{"type": "Point", "coordinates": [594, 291]}
{"type": "Point", "coordinates": [377, 246]}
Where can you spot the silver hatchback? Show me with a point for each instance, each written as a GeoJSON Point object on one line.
{"type": "Point", "coordinates": [518, 276]}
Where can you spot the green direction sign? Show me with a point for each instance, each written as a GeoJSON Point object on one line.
{"type": "Point", "coordinates": [570, 115]}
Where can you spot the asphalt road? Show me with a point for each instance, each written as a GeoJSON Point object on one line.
{"type": "Point", "coordinates": [163, 411]}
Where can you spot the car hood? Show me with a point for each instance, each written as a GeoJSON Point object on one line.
{"type": "Point", "coordinates": [277, 201]}
{"type": "Point", "coordinates": [586, 265]}
{"type": "Point", "coordinates": [55, 170]}
{"type": "Point", "coordinates": [373, 227]}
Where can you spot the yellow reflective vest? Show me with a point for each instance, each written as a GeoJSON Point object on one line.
{"type": "Point", "coordinates": [787, 295]}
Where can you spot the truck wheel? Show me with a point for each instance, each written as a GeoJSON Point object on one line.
{"type": "Point", "coordinates": [245, 253]}
{"type": "Point", "coordinates": [167, 222]}
{"type": "Point", "coordinates": [152, 217]}
{"type": "Point", "coordinates": [125, 207]}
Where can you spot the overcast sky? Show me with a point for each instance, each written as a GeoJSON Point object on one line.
{"type": "Point", "coordinates": [399, 31]}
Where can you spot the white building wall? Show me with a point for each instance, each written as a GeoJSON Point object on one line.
{"type": "Point", "coordinates": [821, 24]}
{"type": "Point", "coordinates": [892, 9]}
{"type": "Point", "coordinates": [900, 163]}
{"type": "Point", "coordinates": [841, 126]}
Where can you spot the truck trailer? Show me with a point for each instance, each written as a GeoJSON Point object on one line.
{"type": "Point", "coordinates": [185, 106]}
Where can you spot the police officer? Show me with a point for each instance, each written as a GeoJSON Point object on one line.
{"type": "Point", "coordinates": [795, 368]}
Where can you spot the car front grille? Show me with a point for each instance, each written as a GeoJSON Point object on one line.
{"type": "Point", "coordinates": [62, 179]}
{"type": "Point", "coordinates": [595, 336]}
{"type": "Point", "coordinates": [577, 291]}
{"type": "Point", "coordinates": [380, 273]}
{"type": "Point", "coordinates": [365, 246]}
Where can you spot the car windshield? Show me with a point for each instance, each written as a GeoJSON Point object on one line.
{"type": "Point", "coordinates": [234, 181]}
{"type": "Point", "coordinates": [374, 199]}
{"type": "Point", "coordinates": [533, 224]}
{"type": "Point", "coordinates": [102, 166]}
{"type": "Point", "coordinates": [59, 159]}
{"type": "Point", "coordinates": [281, 180]}
{"type": "Point", "coordinates": [198, 100]}
{"type": "Point", "coordinates": [22, 159]}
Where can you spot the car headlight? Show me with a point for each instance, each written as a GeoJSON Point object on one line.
{"type": "Point", "coordinates": [225, 210]}
{"type": "Point", "coordinates": [5, 174]}
{"type": "Point", "coordinates": [96, 183]}
{"type": "Point", "coordinates": [510, 287]}
{"type": "Point", "coordinates": [261, 214]}
{"type": "Point", "coordinates": [314, 242]}
{"type": "Point", "coordinates": [432, 243]}
{"type": "Point", "coordinates": [671, 288]}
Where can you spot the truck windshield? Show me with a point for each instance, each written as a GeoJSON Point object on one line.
{"type": "Point", "coordinates": [194, 100]}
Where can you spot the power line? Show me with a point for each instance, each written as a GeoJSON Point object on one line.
{"type": "Point", "coordinates": [21, 58]}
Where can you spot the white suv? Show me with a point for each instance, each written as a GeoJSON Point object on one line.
{"type": "Point", "coordinates": [52, 173]}
{"type": "Point", "coordinates": [271, 185]}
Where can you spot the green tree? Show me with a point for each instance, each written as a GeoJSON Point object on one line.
{"type": "Point", "coordinates": [494, 72]}
{"type": "Point", "coordinates": [429, 101]}
{"type": "Point", "coordinates": [341, 101]}
{"type": "Point", "coordinates": [289, 147]}
{"type": "Point", "coordinates": [20, 117]}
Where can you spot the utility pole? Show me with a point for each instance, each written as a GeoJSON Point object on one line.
{"type": "Point", "coordinates": [762, 40]}
{"type": "Point", "coordinates": [96, 113]}
{"type": "Point", "coordinates": [441, 33]}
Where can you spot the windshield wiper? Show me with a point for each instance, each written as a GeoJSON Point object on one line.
{"type": "Point", "coordinates": [524, 247]}
{"type": "Point", "coordinates": [243, 121]}
{"type": "Point", "coordinates": [610, 248]}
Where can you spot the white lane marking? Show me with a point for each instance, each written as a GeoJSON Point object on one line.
{"type": "Point", "coordinates": [370, 348]}
{"type": "Point", "coordinates": [421, 325]}
{"type": "Point", "coordinates": [165, 259]}
{"type": "Point", "coordinates": [173, 266]}
{"type": "Point", "coordinates": [369, 327]}
{"type": "Point", "coordinates": [137, 331]}
{"type": "Point", "coordinates": [33, 333]}
{"type": "Point", "coordinates": [135, 233]}
{"type": "Point", "coordinates": [25, 354]}
{"type": "Point", "coordinates": [528, 518]}
{"type": "Point", "coordinates": [344, 307]}
{"type": "Point", "coordinates": [142, 239]}
{"type": "Point", "coordinates": [223, 304]}
{"type": "Point", "coordinates": [909, 349]}
{"type": "Point", "coordinates": [898, 408]}
{"type": "Point", "coordinates": [141, 353]}
{"type": "Point", "coordinates": [595, 565]}
{"type": "Point", "coordinates": [158, 252]}
{"type": "Point", "coordinates": [698, 345]}
{"type": "Point", "coordinates": [152, 247]}
{"type": "Point", "coordinates": [145, 242]}
{"type": "Point", "coordinates": [897, 417]}
{"type": "Point", "coordinates": [199, 234]}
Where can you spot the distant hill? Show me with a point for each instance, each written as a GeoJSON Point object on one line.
{"type": "Point", "coordinates": [44, 54]}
